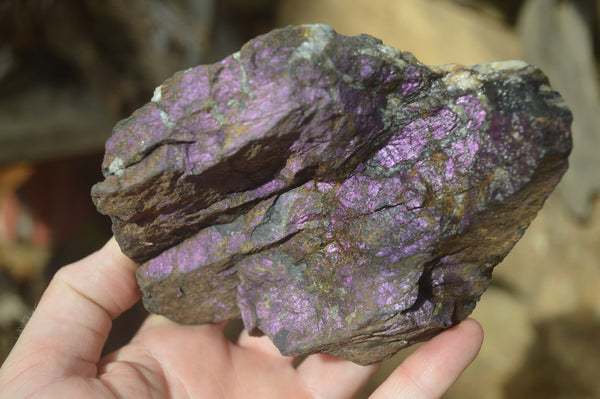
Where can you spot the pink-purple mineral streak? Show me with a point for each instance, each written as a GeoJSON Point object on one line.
{"type": "Point", "coordinates": [335, 193]}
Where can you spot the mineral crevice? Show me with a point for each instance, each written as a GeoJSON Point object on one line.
{"type": "Point", "coordinates": [335, 193]}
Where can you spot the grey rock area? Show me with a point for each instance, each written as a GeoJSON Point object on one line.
{"type": "Point", "coordinates": [557, 36]}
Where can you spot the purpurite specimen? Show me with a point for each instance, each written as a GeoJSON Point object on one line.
{"type": "Point", "coordinates": [335, 193]}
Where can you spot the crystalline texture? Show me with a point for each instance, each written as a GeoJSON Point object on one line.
{"type": "Point", "coordinates": [335, 193]}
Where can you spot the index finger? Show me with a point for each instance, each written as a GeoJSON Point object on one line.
{"type": "Point", "coordinates": [70, 325]}
{"type": "Point", "coordinates": [436, 365]}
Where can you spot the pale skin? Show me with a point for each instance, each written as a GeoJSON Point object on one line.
{"type": "Point", "coordinates": [58, 353]}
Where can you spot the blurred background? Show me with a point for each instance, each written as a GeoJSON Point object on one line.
{"type": "Point", "coordinates": [70, 69]}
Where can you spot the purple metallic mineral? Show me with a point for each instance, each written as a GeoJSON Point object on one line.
{"type": "Point", "coordinates": [335, 193]}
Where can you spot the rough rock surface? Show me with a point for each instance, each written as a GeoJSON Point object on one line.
{"type": "Point", "coordinates": [336, 193]}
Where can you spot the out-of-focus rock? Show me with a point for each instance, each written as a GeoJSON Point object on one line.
{"type": "Point", "coordinates": [557, 36]}
{"type": "Point", "coordinates": [118, 48]}
{"type": "Point", "coordinates": [508, 335]}
{"type": "Point", "coordinates": [555, 269]}
{"type": "Point", "coordinates": [297, 177]}
{"type": "Point", "coordinates": [152, 38]}
{"type": "Point", "coordinates": [68, 69]}
{"type": "Point", "coordinates": [76, 123]}
{"type": "Point", "coordinates": [562, 361]}
{"type": "Point", "coordinates": [553, 275]}
{"type": "Point", "coordinates": [437, 32]}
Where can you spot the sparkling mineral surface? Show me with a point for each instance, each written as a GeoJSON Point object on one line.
{"type": "Point", "coordinates": [335, 193]}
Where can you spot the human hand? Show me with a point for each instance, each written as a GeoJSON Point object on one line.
{"type": "Point", "coordinates": [58, 353]}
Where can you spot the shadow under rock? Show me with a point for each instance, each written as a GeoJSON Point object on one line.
{"type": "Point", "coordinates": [563, 362]}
